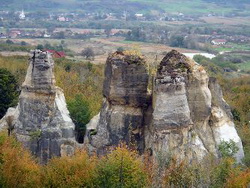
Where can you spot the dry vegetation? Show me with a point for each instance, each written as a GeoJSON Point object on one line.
{"type": "Point", "coordinates": [122, 167]}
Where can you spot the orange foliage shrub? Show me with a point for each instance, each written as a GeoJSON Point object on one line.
{"type": "Point", "coordinates": [241, 180]}
{"type": "Point", "coordinates": [17, 167]}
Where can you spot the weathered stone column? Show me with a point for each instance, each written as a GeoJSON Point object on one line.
{"type": "Point", "coordinates": [41, 120]}
{"type": "Point", "coordinates": [125, 94]}
{"type": "Point", "coordinates": [186, 104]}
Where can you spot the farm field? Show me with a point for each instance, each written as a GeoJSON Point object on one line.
{"type": "Point", "coordinates": [104, 46]}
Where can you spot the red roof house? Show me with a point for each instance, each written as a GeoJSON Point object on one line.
{"type": "Point", "coordinates": [57, 54]}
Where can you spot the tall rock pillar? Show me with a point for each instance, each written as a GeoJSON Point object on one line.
{"type": "Point", "coordinates": [41, 120]}
{"type": "Point", "coordinates": [190, 117]}
{"type": "Point", "coordinates": [125, 94]}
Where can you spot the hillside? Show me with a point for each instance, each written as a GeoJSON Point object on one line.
{"type": "Point", "coordinates": [143, 6]}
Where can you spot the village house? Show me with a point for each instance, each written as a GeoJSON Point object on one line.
{"type": "Point", "coordinates": [219, 41]}
{"type": "Point", "coordinates": [46, 35]}
{"type": "Point", "coordinates": [14, 34]}
{"type": "Point", "coordinates": [56, 54]}
{"type": "Point", "coordinates": [3, 36]}
{"type": "Point", "coordinates": [62, 19]}
{"type": "Point", "coordinates": [140, 17]}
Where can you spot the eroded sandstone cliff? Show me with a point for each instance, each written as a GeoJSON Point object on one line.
{"type": "Point", "coordinates": [125, 95]}
{"type": "Point", "coordinates": [41, 120]}
{"type": "Point", "coordinates": [190, 117]}
{"type": "Point", "coordinates": [185, 116]}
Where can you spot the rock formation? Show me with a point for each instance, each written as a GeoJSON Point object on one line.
{"type": "Point", "coordinates": [190, 117]}
{"type": "Point", "coordinates": [185, 116]}
{"type": "Point", "coordinates": [41, 120]}
{"type": "Point", "coordinates": [125, 95]}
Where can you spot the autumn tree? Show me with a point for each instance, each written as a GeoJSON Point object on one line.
{"type": "Point", "coordinates": [121, 168]}
{"type": "Point", "coordinates": [17, 166]}
{"type": "Point", "coordinates": [75, 171]}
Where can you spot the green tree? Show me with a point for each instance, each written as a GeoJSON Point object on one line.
{"type": "Point", "coordinates": [80, 113]}
{"type": "Point", "coordinates": [120, 49]}
{"type": "Point", "coordinates": [177, 41]}
{"type": "Point", "coordinates": [40, 47]}
{"type": "Point", "coordinates": [9, 42]}
{"type": "Point", "coordinates": [88, 53]}
{"type": "Point", "coordinates": [23, 43]}
{"type": "Point", "coordinates": [228, 148]}
{"type": "Point", "coordinates": [8, 91]}
{"type": "Point", "coordinates": [121, 168]}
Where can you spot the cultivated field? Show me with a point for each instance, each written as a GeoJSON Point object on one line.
{"type": "Point", "coordinates": [104, 46]}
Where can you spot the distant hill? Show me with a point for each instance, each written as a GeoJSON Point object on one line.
{"type": "Point", "coordinates": [143, 6]}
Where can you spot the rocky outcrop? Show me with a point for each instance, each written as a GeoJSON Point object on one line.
{"type": "Point", "coordinates": [41, 120]}
{"type": "Point", "coordinates": [190, 117]}
{"type": "Point", "coordinates": [125, 95]}
{"type": "Point", "coordinates": [185, 116]}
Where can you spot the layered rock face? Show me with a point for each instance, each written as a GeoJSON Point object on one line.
{"type": "Point", "coordinates": [186, 115]}
{"type": "Point", "coordinates": [190, 117]}
{"type": "Point", "coordinates": [41, 120]}
{"type": "Point", "coordinates": [125, 95]}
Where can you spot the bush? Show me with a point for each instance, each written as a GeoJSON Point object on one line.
{"type": "Point", "coordinates": [120, 49]}
{"type": "Point", "coordinates": [9, 42]}
{"type": "Point", "coordinates": [222, 172]}
{"type": "Point", "coordinates": [239, 180]}
{"type": "Point", "coordinates": [17, 167]}
{"type": "Point", "coordinates": [228, 148]}
{"type": "Point", "coordinates": [75, 171]}
{"type": "Point", "coordinates": [9, 46]}
{"type": "Point", "coordinates": [121, 168]}
{"type": "Point", "coordinates": [23, 43]}
{"type": "Point", "coordinates": [179, 174]}
{"type": "Point", "coordinates": [80, 113]}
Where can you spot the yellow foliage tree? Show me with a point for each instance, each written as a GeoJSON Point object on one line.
{"type": "Point", "coordinates": [17, 166]}
{"type": "Point", "coordinates": [122, 168]}
{"type": "Point", "coordinates": [75, 171]}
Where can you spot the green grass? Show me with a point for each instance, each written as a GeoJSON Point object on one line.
{"type": "Point", "coordinates": [244, 66]}
{"type": "Point", "coordinates": [233, 47]}
{"type": "Point", "coordinates": [184, 6]}
{"type": "Point", "coordinates": [170, 6]}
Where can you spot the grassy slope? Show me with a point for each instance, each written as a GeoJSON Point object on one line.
{"type": "Point", "coordinates": [185, 6]}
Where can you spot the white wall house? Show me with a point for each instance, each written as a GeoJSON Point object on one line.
{"type": "Point", "coordinates": [218, 41]}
